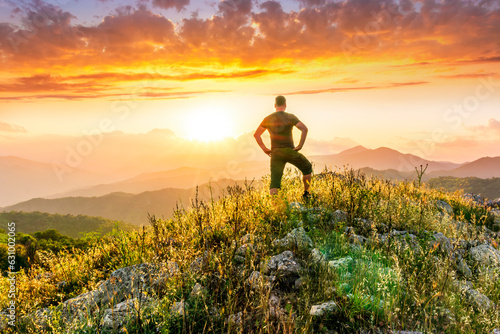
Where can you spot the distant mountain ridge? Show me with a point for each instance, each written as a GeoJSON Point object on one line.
{"type": "Point", "coordinates": [381, 158]}
{"type": "Point", "coordinates": [129, 208]}
{"type": "Point", "coordinates": [22, 179]}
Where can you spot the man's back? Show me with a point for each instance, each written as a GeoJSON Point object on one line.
{"type": "Point", "coordinates": [280, 125]}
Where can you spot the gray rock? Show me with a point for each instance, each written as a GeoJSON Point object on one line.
{"type": "Point", "coordinates": [235, 320]}
{"type": "Point", "coordinates": [495, 331]}
{"type": "Point", "coordinates": [339, 216]}
{"type": "Point", "coordinates": [39, 319]}
{"type": "Point", "coordinates": [496, 218]}
{"type": "Point", "coordinates": [473, 297]}
{"type": "Point", "coordinates": [123, 313]}
{"type": "Point", "coordinates": [238, 259]}
{"type": "Point", "coordinates": [397, 233]}
{"type": "Point", "coordinates": [484, 256]}
{"type": "Point", "coordinates": [322, 309]}
{"type": "Point", "coordinates": [296, 238]}
{"type": "Point", "coordinates": [245, 249]}
{"type": "Point", "coordinates": [197, 290]}
{"type": "Point", "coordinates": [341, 263]}
{"type": "Point", "coordinates": [365, 226]}
{"type": "Point", "coordinates": [357, 239]}
{"type": "Point", "coordinates": [256, 280]}
{"type": "Point", "coordinates": [61, 285]}
{"type": "Point", "coordinates": [275, 309]}
{"type": "Point", "coordinates": [250, 238]}
{"type": "Point", "coordinates": [298, 283]}
{"type": "Point", "coordinates": [124, 283]}
{"type": "Point", "coordinates": [317, 256]}
{"type": "Point", "coordinates": [475, 198]}
{"type": "Point", "coordinates": [348, 230]}
{"type": "Point", "coordinates": [282, 265]}
{"type": "Point", "coordinates": [444, 207]}
{"type": "Point", "coordinates": [177, 308]}
{"type": "Point", "coordinates": [442, 243]}
{"type": "Point", "coordinates": [463, 268]}
{"type": "Point", "coordinates": [401, 240]}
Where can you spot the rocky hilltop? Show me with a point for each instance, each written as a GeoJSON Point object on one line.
{"type": "Point", "coordinates": [362, 256]}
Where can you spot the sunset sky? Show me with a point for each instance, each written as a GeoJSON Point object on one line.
{"type": "Point", "coordinates": [421, 77]}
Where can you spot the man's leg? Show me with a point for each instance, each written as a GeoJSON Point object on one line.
{"type": "Point", "coordinates": [300, 161]}
{"type": "Point", "coordinates": [307, 181]}
{"type": "Point", "coordinates": [277, 167]}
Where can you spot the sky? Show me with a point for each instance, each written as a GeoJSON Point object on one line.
{"type": "Point", "coordinates": [420, 76]}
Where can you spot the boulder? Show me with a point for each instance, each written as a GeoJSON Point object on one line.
{"type": "Point", "coordinates": [317, 257]}
{"type": "Point", "coordinates": [444, 207]}
{"type": "Point", "coordinates": [123, 313]}
{"type": "Point", "coordinates": [484, 256]}
{"type": "Point", "coordinates": [125, 283]}
{"type": "Point", "coordinates": [323, 309]}
{"type": "Point", "coordinates": [442, 243]}
{"type": "Point", "coordinates": [256, 280]}
{"type": "Point", "coordinates": [296, 238]}
{"type": "Point", "coordinates": [475, 198]}
{"type": "Point", "coordinates": [282, 265]}
{"type": "Point", "coordinates": [339, 216]}
{"type": "Point", "coordinates": [473, 297]}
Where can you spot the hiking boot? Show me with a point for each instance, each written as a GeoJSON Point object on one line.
{"type": "Point", "coordinates": [306, 196]}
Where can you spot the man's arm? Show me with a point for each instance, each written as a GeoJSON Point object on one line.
{"type": "Point", "coordinates": [258, 133]}
{"type": "Point", "coordinates": [303, 128]}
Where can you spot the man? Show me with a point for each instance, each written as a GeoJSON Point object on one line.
{"type": "Point", "coordinates": [280, 125]}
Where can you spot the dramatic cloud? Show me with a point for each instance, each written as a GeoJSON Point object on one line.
{"type": "Point", "coordinates": [347, 89]}
{"type": "Point", "coordinates": [245, 34]}
{"type": "Point", "coordinates": [490, 130]}
{"type": "Point", "coordinates": [7, 127]}
{"type": "Point", "coordinates": [178, 4]}
{"type": "Point", "coordinates": [103, 85]}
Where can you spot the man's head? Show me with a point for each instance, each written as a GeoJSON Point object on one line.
{"type": "Point", "coordinates": [280, 103]}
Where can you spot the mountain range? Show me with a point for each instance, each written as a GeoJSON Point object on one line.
{"type": "Point", "coordinates": [126, 207]}
{"type": "Point", "coordinates": [34, 186]}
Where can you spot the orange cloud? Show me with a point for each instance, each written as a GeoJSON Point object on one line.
{"type": "Point", "coordinates": [347, 89]}
{"type": "Point", "coordinates": [259, 39]}
{"type": "Point", "coordinates": [7, 127]}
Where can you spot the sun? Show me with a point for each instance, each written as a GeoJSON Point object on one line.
{"type": "Point", "coordinates": [208, 125]}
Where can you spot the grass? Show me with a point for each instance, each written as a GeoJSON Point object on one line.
{"type": "Point", "coordinates": [375, 285]}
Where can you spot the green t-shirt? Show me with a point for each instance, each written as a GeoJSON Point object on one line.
{"type": "Point", "coordinates": [280, 125]}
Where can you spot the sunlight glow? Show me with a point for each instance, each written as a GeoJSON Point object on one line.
{"type": "Point", "coordinates": [208, 124]}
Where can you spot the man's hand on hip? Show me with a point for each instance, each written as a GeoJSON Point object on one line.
{"type": "Point", "coordinates": [298, 148]}
{"type": "Point", "coordinates": [267, 151]}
